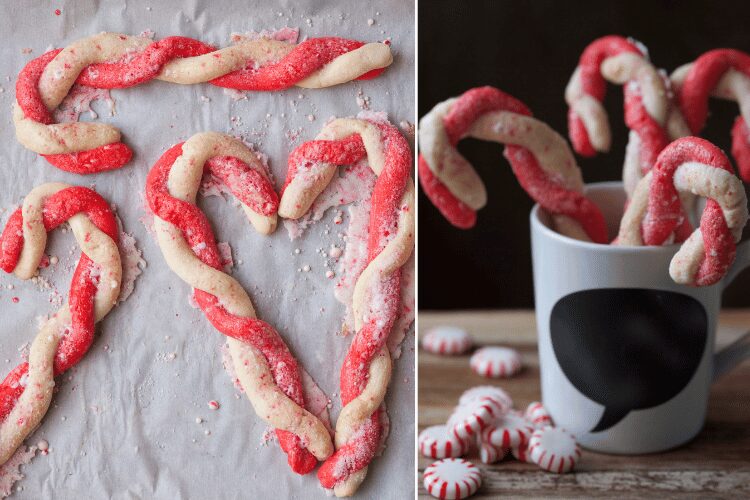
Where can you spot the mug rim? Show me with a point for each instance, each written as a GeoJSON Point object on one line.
{"type": "Point", "coordinates": [537, 224]}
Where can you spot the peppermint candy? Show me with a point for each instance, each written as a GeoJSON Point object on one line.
{"type": "Point", "coordinates": [452, 479]}
{"type": "Point", "coordinates": [439, 442]}
{"type": "Point", "coordinates": [554, 449]}
{"type": "Point", "coordinates": [537, 414]}
{"type": "Point", "coordinates": [489, 454]}
{"type": "Point", "coordinates": [485, 417]}
{"type": "Point", "coordinates": [496, 362]}
{"type": "Point", "coordinates": [470, 418]}
{"type": "Point", "coordinates": [499, 396]}
{"type": "Point", "coordinates": [447, 340]}
{"type": "Point", "coordinates": [521, 453]}
{"type": "Point", "coordinates": [509, 431]}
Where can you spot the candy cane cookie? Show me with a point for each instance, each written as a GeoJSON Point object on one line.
{"type": "Point", "coordinates": [650, 115]}
{"type": "Point", "coordinates": [113, 60]}
{"type": "Point", "coordinates": [539, 157]}
{"type": "Point", "coordinates": [266, 369]}
{"type": "Point", "coordinates": [722, 73]}
{"type": "Point", "coordinates": [64, 339]}
{"type": "Point", "coordinates": [690, 165]}
{"type": "Point", "coordinates": [367, 368]}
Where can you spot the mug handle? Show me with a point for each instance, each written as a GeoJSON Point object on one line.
{"type": "Point", "coordinates": [730, 356]}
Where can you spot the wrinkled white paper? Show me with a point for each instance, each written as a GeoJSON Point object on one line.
{"type": "Point", "coordinates": [124, 423]}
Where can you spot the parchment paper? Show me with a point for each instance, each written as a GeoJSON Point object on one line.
{"type": "Point", "coordinates": [123, 423]}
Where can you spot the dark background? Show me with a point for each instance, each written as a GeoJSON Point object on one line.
{"type": "Point", "coordinates": [529, 49]}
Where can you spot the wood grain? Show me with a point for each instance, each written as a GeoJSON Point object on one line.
{"type": "Point", "coordinates": [714, 465]}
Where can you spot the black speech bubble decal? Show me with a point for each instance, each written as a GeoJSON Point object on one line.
{"type": "Point", "coordinates": [628, 348]}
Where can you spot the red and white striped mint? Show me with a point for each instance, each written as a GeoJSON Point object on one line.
{"type": "Point", "coordinates": [537, 414]}
{"type": "Point", "coordinates": [470, 418]}
{"type": "Point", "coordinates": [496, 362]}
{"type": "Point", "coordinates": [447, 340]}
{"type": "Point", "coordinates": [490, 454]}
{"type": "Point", "coordinates": [439, 442]}
{"type": "Point", "coordinates": [452, 479]}
{"type": "Point", "coordinates": [508, 431]}
{"type": "Point", "coordinates": [500, 397]}
{"type": "Point", "coordinates": [554, 449]}
{"type": "Point", "coordinates": [521, 453]}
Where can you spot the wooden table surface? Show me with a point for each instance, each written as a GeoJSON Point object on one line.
{"type": "Point", "coordinates": [714, 465]}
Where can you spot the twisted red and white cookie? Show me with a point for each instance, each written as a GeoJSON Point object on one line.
{"type": "Point", "coordinates": [540, 159]}
{"type": "Point", "coordinates": [113, 60]}
{"type": "Point", "coordinates": [655, 212]}
{"type": "Point", "coordinates": [650, 114]}
{"type": "Point", "coordinates": [722, 73]}
{"type": "Point", "coordinates": [366, 371]}
{"type": "Point", "coordinates": [64, 338]}
{"type": "Point", "coordinates": [267, 370]}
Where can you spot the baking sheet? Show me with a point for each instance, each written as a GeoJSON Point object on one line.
{"type": "Point", "coordinates": [124, 422]}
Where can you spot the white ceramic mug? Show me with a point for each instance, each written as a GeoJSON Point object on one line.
{"type": "Point", "coordinates": [626, 354]}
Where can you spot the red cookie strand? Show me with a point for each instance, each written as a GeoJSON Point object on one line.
{"type": "Point", "coordinates": [594, 84]}
{"type": "Point", "coordinates": [741, 147]}
{"type": "Point", "coordinates": [665, 209]}
{"type": "Point", "coordinates": [468, 108]}
{"type": "Point", "coordinates": [386, 207]}
{"type": "Point", "coordinates": [101, 159]}
{"type": "Point", "coordinates": [653, 137]}
{"type": "Point", "coordinates": [76, 341]}
{"type": "Point", "coordinates": [27, 89]}
{"type": "Point", "coordinates": [474, 103]}
{"type": "Point", "coordinates": [554, 198]}
{"type": "Point", "coordinates": [196, 230]}
{"type": "Point", "coordinates": [303, 60]}
{"type": "Point", "coordinates": [701, 80]}
{"type": "Point", "coordinates": [346, 151]}
{"type": "Point", "coordinates": [454, 210]}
